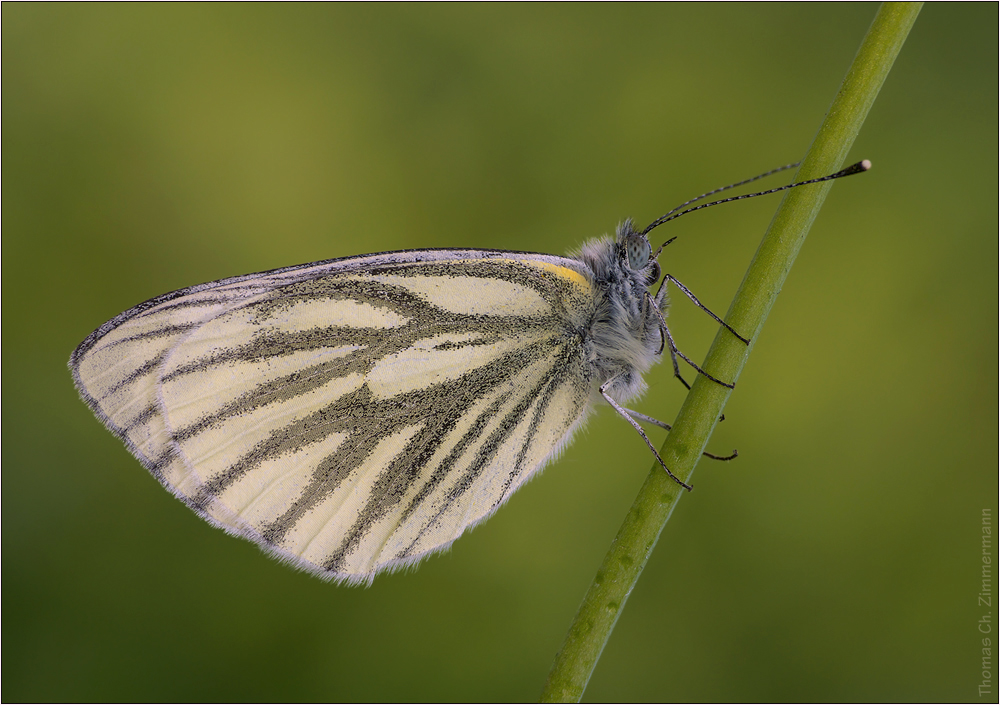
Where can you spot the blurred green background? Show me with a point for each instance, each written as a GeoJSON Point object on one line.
{"type": "Point", "coordinates": [151, 147]}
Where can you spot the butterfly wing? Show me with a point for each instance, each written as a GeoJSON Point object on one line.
{"type": "Point", "coordinates": [353, 415]}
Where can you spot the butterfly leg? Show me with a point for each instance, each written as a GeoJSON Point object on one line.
{"type": "Point", "coordinates": [648, 301]}
{"type": "Point", "coordinates": [656, 422]}
{"type": "Point", "coordinates": [675, 353]}
{"type": "Point", "coordinates": [673, 347]}
{"type": "Point", "coordinates": [648, 419]}
{"type": "Point", "coordinates": [665, 335]}
{"type": "Point", "coordinates": [635, 424]}
{"type": "Point", "coordinates": [699, 304]}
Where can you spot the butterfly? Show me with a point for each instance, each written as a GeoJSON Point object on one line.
{"type": "Point", "coordinates": [354, 415]}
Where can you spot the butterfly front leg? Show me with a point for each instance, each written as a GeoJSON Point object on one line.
{"type": "Point", "coordinates": [699, 304]}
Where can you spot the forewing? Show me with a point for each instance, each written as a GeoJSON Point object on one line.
{"type": "Point", "coordinates": [353, 415]}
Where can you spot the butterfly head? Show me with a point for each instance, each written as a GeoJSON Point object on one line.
{"type": "Point", "coordinates": [636, 253]}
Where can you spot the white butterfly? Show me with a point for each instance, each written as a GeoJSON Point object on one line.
{"type": "Point", "coordinates": [353, 415]}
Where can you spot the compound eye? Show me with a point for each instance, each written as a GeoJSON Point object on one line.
{"type": "Point", "coordinates": [638, 250]}
{"type": "Point", "coordinates": [654, 273]}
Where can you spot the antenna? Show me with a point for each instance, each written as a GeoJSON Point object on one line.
{"type": "Point", "coordinates": [863, 165]}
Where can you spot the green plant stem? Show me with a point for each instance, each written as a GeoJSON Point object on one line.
{"type": "Point", "coordinates": [700, 412]}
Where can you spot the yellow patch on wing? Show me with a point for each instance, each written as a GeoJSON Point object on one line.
{"type": "Point", "coordinates": [571, 275]}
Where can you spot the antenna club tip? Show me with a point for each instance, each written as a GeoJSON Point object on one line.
{"type": "Point", "coordinates": [865, 165]}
